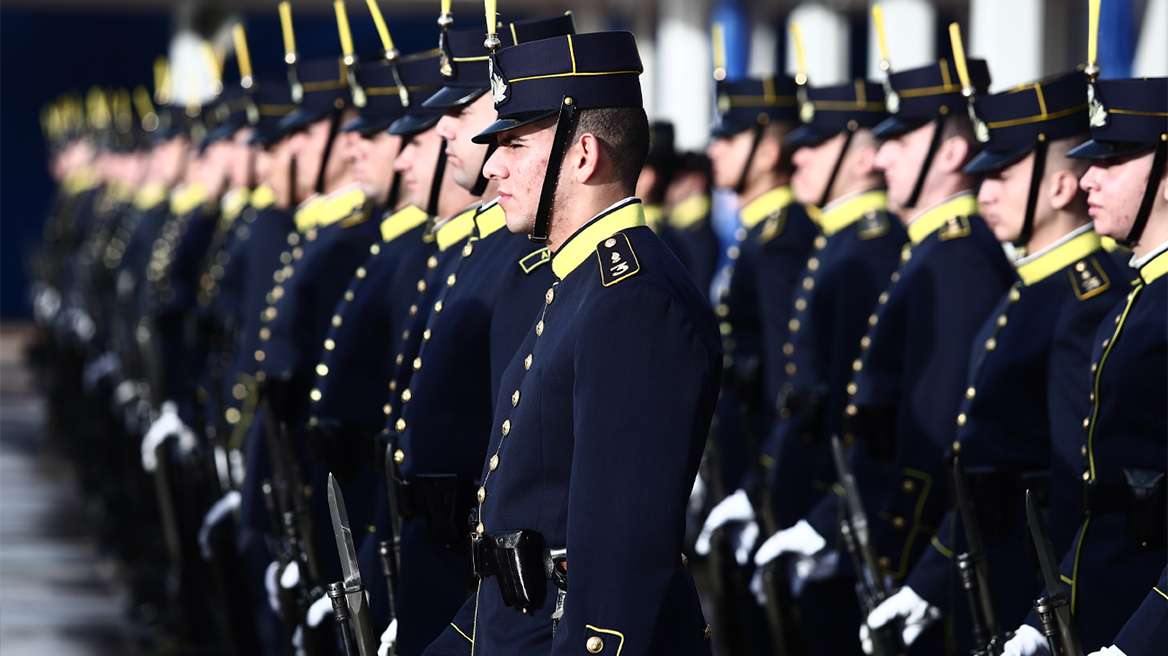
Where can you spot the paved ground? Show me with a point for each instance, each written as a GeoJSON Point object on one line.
{"type": "Point", "coordinates": [58, 596]}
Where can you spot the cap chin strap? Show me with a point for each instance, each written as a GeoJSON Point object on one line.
{"type": "Point", "coordinates": [564, 123]}
{"type": "Point", "coordinates": [334, 124]}
{"type": "Point", "coordinates": [436, 185]}
{"type": "Point", "coordinates": [934, 144]}
{"type": "Point", "coordinates": [292, 183]}
{"type": "Point", "coordinates": [1036, 174]}
{"type": "Point", "coordinates": [1157, 172]}
{"type": "Point", "coordinates": [835, 169]}
{"type": "Point", "coordinates": [758, 130]}
{"type": "Point", "coordinates": [394, 191]}
{"type": "Point", "coordinates": [480, 185]}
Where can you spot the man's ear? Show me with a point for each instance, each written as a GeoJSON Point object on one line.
{"type": "Point", "coordinates": [583, 159]}
{"type": "Point", "coordinates": [863, 160]}
{"type": "Point", "coordinates": [954, 153]}
{"type": "Point", "coordinates": [1064, 186]}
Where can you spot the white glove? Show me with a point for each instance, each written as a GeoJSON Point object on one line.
{"type": "Point", "coordinates": [799, 539]}
{"type": "Point", "coordinates": [270, 585]}
{"type": "Point", "coordinates": [734, 508]}
{"type": "Point", "coordinates": [167, 425]}
{"type": "Point", "coordinates": [388, 639]}
{"type": "Point", "coordinates": [697, 495]}
{"type": "Point", "coordinates": [1109, 651]}
{"type": "Point", "coordinates": [298, 640]}
{"type": "Point", "coordinates": [905, 605]}
{"type": "Point", "coordinates": [320, 609]}
{"type": "Point", "coordinates": [1027, 641]}
{"type": "Point", "coordinates": [291, 576]}
{"type": "Point", "coordinates": [222, 508]}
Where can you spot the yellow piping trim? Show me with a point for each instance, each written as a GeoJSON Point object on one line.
{"type": "Point", "coordinates": [327, 85]}
{"type": "Point", "coordinates": [1060, 258]}
{"type": "Point", "coordinates": [844, 212]}
{"type": "Point", "coordinates": [471, 59]}
{"type": "Point", "coordinates": [932, 220]}
{"type": "Point", "coordinates": [514, 36]}
{"type": "Point", "coordinates": [928, 91]}
{"type": "Point", "coordinates": [848, 105]}
{"type": "Point", "coordinates": [1132, 112]}
{"type": "Point", "coordinates": [577, 249]}
{"type": "Point", "coordinates": [572, 53]}
{"type": "Point", "coordinates": [1041, 98]}
{"type": "Point", "coordinates": [945, 72]}
{"type": "Point", "coordinates": [771, 100]}
{"type": "Point", "coordinates": [1066, 579]}
{"type": "Point", "coordinates": [927, 486]}
{"type": "Point", "coordinates": [760, 208]}
{"type": "Point", "coordinates": [456, 229]}
{"type": "Point", "coordinates": [461, 633]}
{"type": "Point", "coordinates": [945, 551]}
{"type": "Point", "coordinates": [573, 74]}
{"type": "Point", "coordinates": [1154, 269]}
{"type": "Point", "coordinates": [475, 631]}
{"type": "Point", "coordinates": [402, 222]}
{"type": "Point", "coordinates": [1075, 570]}
{"type": "Point", "coordinates": [610, 632]}
{"type": "Point", "coordinates": [1034, 119]}
{"type": "Point", "coordinates": [1161, 592]}
{"type": "Point", "coordinates": [1099, 372]}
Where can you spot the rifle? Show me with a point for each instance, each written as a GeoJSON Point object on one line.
{"type": "Point", "coordinates": [1056, 602]}
{"type": "Point", "coordinates": [886, 640]}
{"type": "Point", "coordinates": [355, 602]}
{"type": "Point", "coordinates": [973, 568]}
{"type": "Point", "coordinates": [390, 552]}
{"type": "Point", "coordinates": [283, 556]}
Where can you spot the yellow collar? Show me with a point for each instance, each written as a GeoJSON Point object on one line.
{"type": "Point", "coordinates": [689, 211]}
{"type": "Point", "coordinates": [341, 204]}
{"type": "Point", "coordinates": [1154, 269]}
{"type": "Point", "coordinates": [401, 222]}
{"type": "Point", "coordinates": [150, 195]}
{"type": "Point", "coordinates": [119, 192]}
{"type": "Point", "coordinates": [456, 229]}
{"type": "Point", "coordinates": [187, 197]}
{"type": "Point", "coordinates": [233, 203]}
{"type": "Point", "coordinates": [263, 197]}
{"type": "Point", "coordinates": [654, 214]}
{"type": "Point", "coordinates": [582, 244]}
{"type": "Point", "coordinates": [490, 217]}
{"type": "Point", "coordinates": [83, 179]}
{"type": "Point", "coordinates": [931, 220]}
{"type": "Point", "coordinates": [846, 211]}
{"type": "Point", "coordinates": [763, 206]}
{"type": "Point", "coordinates": [305, 214]}
{"type": "Point", "coordinates": [1058, 256]}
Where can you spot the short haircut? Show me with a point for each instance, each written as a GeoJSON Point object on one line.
{"type": "Point", "coordinates": [957, 124]}
{"type": "Point", "coordinates": [778, 130]}
{"type": "Point", "coordinates": [1056, 155]}
{"type": "Point", "coordinates": [623, 132]}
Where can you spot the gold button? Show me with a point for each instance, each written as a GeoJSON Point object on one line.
{"type": "Point", "coordinates": [1117, 319]}
{"type": "Point", "coordinates": [884, 562]}
{"type": "Point", "coordinates": [297, 253]}
{"type": "Point", "coordinates": [406, 395]}
{"type": "Point", "coordinates": [278, 292]}
{"type": "Point", "coordinates": [399, 456]}
{"type": "Point", "coordinates": [432, 262]}
{"type": "Point", "coordinates": [400, 425]}
{"type": "Point", "coordinates": [908, 486]}
{"type": "Point", "coordinates": [1002, 321]}
{"type": "Point", "coordinates": [725, 328]}
{"type": "Point", "coordinates": [733, 252]}
{"type": "Point", "coordinates": [506, 427]}
{"type": "Point", "coordinates": [898, 522]}
{"type": "Point", "coordinates": [482, 495]}
{"type": "Point", "coordinates": [479, 529]}
{"type": "Point", "coordinates": [851, 410]}
{"type": "Point", "coordinates": [800, 304]}
{"type": "Point", "coordinates": [970, 393]}
{"type": "Point", "coordinates": [788, 348]}
{"type": "Point", "coordinates": [883, 298]}
{"type": "Point", "coordinates": [337, 320]}
{"type": "Point", "coordinates": [293, 238]}
{"type": "Point", "coordinates": [813, 264]}
{"type": "Point", "coordinates": [311, 234]}
{"type": "Point", "coordinates": [865, 342]}
{"type": "Point", "coordinates": [595, 645]}
{"type": "Point", "coordinates": [438, 307]}
{"type": "Point", "coordinates": [857, 365]}
{"type": "Point", "coordinates": [232, 415]}
{"type": "Point", "coordinates": [820, 241]}
{"type": "Point", "coordinates": [527, 362]}
{"type": "Point", "coordinates": [708, 631]}
{"type": "Point", "coordinates": [852, 388]}
{"type": "Point", "coordinates": [808, 284]}
{"type": "Point", "coordinates": [956, 446]}
{"type": "Point", "coordinates": [515, 399]}
{"type": "Point", "coordinates": [905, 255]}
{"type": "Point", "coordinates": [1015, 295]}
{"type": "Point", "coordinates": [1087, 423]}
{"type": "Point", "coordinates": [1094, 367]}
{"type": "Point", "coordinates": [400, 356]}
{"type": "Point", "coordinates": [413, 310]}
{"type": "Point", "coordinates": [360, 273]}
{"type": "Point", "coordinates": [287, 271]}
{"type": "Point", "coordinates": [239, 390]}
{"type": "Point", "coordinates": [386, 409]}
{"type": "Point", "coordinates": [539, 328]}
{"type": "Point", "coordinates": [417, 363]}
{"type": "Point", "coordinates": [451, 279]}
{"type": "Point", "coordinates": [314, 395]}
{"type": "Point", "coordinates": [265, 333]}
{"type": "Point", "coordinates": [426, 334]}
{"type": "Point", "coordinates": [374, 249]}
{"type": "Point", "coordinates": [393, 383]}
{"type": "Point", "coordinates": [991, 344]}
{"type": "Point", "coordinates": [722, 310]}
{"type": "Point", "coordinates": [961, 419]}
{"type": "Point", "coordinates": [285, 257]}
{"type": "Point", "coordinates": [1106, 342]}
{"type": "Point", "coordinates": [684, 561]}
{"type": "Point", "coordinates": [467, 250]}
{"type": "Point", "coordinates": [272, 314]}
{"type": "Point", "coordinates": [349, 296]}
{"type": "Point", "coordinates": [421, 286]}
{"type": "Point", "coordinates": [791, 368]}
{"type": "Point", "coordinates": [259, 356]}
{"type": "Point", "coordinates": [550, 295]}
{"type": "Point", "coordinates": [494, 463]}
{"type": "Point", "coordinates": [895, 276]}
{"type": "Point", "coordinates": [872, 320]}
{"type": "Point", "coordinates": [405, 335]}
{"type": "Point", "coordinates": [793, 325]}
{"type": "Point", "coordinates": [1091, 397]}
{"type": "Point", "coordinates": [322, 369]}
{"type": "Point", "coordinates": [1083, 451]}
{"type": "Point", "coordinates": [1086, 475]}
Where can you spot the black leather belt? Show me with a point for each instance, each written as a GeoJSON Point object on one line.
{"type": "Point", "coordinates": [521, 562]}
{"type": "Point", "coordinates": [1143, 497]}
{"type": "Point", "coordinates": [445, 500]}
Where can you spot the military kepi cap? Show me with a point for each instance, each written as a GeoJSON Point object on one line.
{"type": "Point", "coordinates": [1126, 117]}
{"type": "Point", "coordinates": [1010, 124]}
{"type": "Point", "coordinates": [463, 60]}
{"type": "Point", "coordinates": [273, 101]}
{"type": "Point", "coordinates": [828, 111]}
{"type": "Point", "coordinates": [743, 104]}
{"type": "Point", "coordinates": [530, 81]}
{"type": "Point", "coordinates": [917, 96]}
{"type": "Point", "coordinates": [325, 84]}
{"type": "Point", "coordinates": [385, 100]}
{"type": "Point", "coordinates": [233, 112]}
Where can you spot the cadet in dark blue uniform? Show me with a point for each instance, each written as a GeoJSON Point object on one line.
{"type": "Point", "coordinates": [858, 248]}
{"type": "Point", "coordinates": [602, 414]}
{"type": "Point", "coordinates": [469, 330]}
{"type": "Point", "coordinates": [1024, 389]}
{"type": "Point", "coordinates": [1119, 552]}
{"type": "Point", "coordinates": [688, 218]}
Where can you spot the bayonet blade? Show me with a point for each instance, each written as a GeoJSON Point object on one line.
{"type": "Point", "coordinates": [354, 591]}
{"type": "Point", "coordinates": [859, 516]}
{"type": "Point", "coordinates": [977, 558]}
{"type": "Point", "coordinates": [1068, 630]}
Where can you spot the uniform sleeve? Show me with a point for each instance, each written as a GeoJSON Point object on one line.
{"type": "Point", "coordinates": [929, 577]}
{"type": "Point", "coordinates": [645, 385]}
{"type": "Point", "coordinates": [456, 639]}
{"type": "Point", "coordinates": [1146, 632]}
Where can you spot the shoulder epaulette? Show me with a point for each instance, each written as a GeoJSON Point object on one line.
{"type": "Point", "coordinates": [617, 259]}
{"type": "Point", "coordinates": [359, 215]}
{"type": "Point", "coordinates": [955, 227]}
{"type": "Point", "coordinates": [535, 259]}
{"type": "Point", "coordinates": [773, 225]}
{"type": "Point", "coordinates": [1088, 278]}
{"type": "Point", "coordinates": [872, 225]}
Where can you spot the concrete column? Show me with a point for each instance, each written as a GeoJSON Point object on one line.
{"type": "Point", "coordinates": [1152, 48]}
{"type": "Point", "coordinates": [763, 44]}
{"type": "Point", "coordinates": [684, 93]}
{"type": "Point", "coordinates": [825, 42]}
{"type": "Point", "coordinates": [911, 26]}
{"type": "Point", "coordinates": [1008, 34]}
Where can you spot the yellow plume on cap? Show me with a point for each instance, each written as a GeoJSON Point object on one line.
{"type": "Point", "coordinates": [242, 55]}
{"type": "Point", "coordinates": [289, 34]}
{"type": "Point", "coordinates": [145, 109]}
{"type": "Point", "coordinates": [382, 30]}
{"type": "Point", "coordinates": [122, 110]}
{"type": "Point", "coordinates": [99, 113]}
{"type": "Point", "coordinates": [718, 46]}
{"type": "Point", "coordinates": [959, 59]}
{"type": "Point", "coordinates": [878, 21]}
{"type": "Point", "coordinates": [211, 61]}
{"type": "Point", "coordinates": [492, 15]}
{"type": "Point", "coordinates": [161, 81]}
{"type": "Point", "coordinates": [800, 57]}
{"type": "Point", "coordinates": [1093, 38]}
{"type": "Point", "coordinates": [343, 30]}
{"type": "Point", "coordinates": [446, 6]}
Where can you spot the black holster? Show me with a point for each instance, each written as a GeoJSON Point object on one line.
{"type": "Point", "coordinates": [516, 560]}
{"type": "Point", "coordinates": [1141, 497]}
{"type": "Point", "coordinates": [444, 500]}
{"type": "Point", "coordinates": [876, 425]}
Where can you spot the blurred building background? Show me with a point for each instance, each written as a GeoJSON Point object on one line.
{"type": "Point", "coordinates": [52, 46]}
